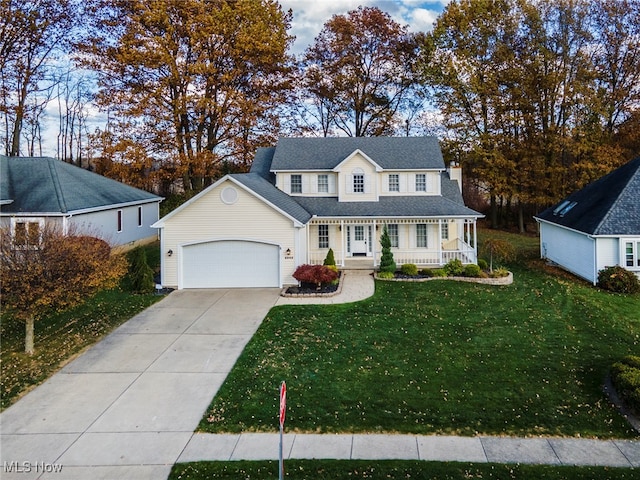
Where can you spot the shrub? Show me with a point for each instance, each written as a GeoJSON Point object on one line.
{"type": "Point", "coordinates": [316, 274]}
{"type": "Point", "coordinates": [482, 263]}
{"type": "Point", "coordinates": [619, 280]}
{"type": "Point", "coordinates": [330, 259]}
{"type": "Point", "coordinates": [386, 275]}
{"type": "Point", "coordinates": [625, 376]}
{"type": "Point", "coordinates": [454, 268]}
{"type": "Point", "coordinates": [387, 264]}
{"type": "Point", "coordinates": [438, 272]}
{"type": "Point", "coordinates": [472, 271]}
{"type": "Point", "coordinates": [499, 249]}
{"type": "Point", "coordinates": [409, 269]}
{"type": "Point", "coordinates": [140, 274]}
{"type": "Point", "coordinates": [499, 272]}
{"type": "Point", "coordinates": [426, 272]}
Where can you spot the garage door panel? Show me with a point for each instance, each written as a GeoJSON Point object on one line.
{"type": "Point", "coordinates": [231, 264]}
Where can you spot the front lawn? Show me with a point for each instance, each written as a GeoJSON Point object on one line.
{"type": "Point", "coordinates": [439, 357]}
{"type": "Point", "coordinates": [333, 469]}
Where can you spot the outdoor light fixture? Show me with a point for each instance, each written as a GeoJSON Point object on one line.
{"type": "Point", "coordinates": [169, 253]}
{"type": "Point", "coordinates": [288, 252]}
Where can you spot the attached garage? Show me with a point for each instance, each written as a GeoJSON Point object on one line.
{"type": "Point", "coordinates": [230, 264]}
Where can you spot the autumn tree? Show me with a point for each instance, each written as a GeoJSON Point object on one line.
{"type": "Point", "coordinates": [33, 33]}
{"type": "Point", "coordinates": [358, 74]}
{"type": "Point", "coordinates": [44, 271]}
{"type": "Point", "coordinates": [194, 80]}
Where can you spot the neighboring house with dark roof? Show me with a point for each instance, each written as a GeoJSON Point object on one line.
{"type": "Point", "coordinates": [596, 227]}
{"type": "Point", "coordinates": [35, 191]}
{"type": "Point", "coordinates": [307, 195]}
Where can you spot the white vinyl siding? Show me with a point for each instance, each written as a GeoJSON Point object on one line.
{"type": "Point", "coordinates": [572, 250]}
{"type": "Point", "coordinates": [249, 218]}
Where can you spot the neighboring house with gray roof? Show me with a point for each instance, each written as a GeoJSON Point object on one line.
{"type": "Point", "coordinates": [596, 227]}
{"type": "Point", "coordinates": [35, 191]}
{"type": "Point", "coordinates": [306, 195]}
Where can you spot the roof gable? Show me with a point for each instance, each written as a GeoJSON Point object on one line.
{"type": "Point", "coordinates": [45, 185]}
{"type": "Point", "coordinates": [355, 153]}
{"type": "Point", "coordinates": [608, 206]}
{"type": "Point", "coordinates": [390, 153]}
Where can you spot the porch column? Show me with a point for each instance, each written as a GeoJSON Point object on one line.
{"type": "Point", "coordinates": [374, 239]}
{"type": "Point", "coordinates": [475, 239]}
{"type": "Point", "coordinates": [344, 245]}
{"type": "Point", "coordinates": [308, 254]}
{"type": "Point", "coordinates": [441, 260]}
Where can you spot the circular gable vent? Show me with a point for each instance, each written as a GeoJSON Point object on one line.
{"type": "Point", "coordinates": [229, 195]}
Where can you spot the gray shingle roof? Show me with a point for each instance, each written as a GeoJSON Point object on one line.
{"type": "Point", "coordinates": [45, 185]}
{"type": "Point", "coordinates": [269, 192]}
{"type": "Point", "coordinates": [608, 206]}
{"type": "Point", "coordinates": [396, 153]}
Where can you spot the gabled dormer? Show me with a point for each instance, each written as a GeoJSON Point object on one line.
{"type": "Point", "coordinates": [358, 178]}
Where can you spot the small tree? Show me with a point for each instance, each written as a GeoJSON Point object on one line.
{"type": "Point", "coordinates": [140, 274]}
{"type": "Point", "coordinates": [500, 249]}
{"type": "Point", "coordinates": [330, 259]}
{"type": "Point", "coordinates": [316, 274]}
{"type": "Point", "coordinates": [53, 274]}
{"type": "Point", "coordinates": [387, 264]}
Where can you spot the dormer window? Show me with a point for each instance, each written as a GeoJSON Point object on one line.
{"type": "Point", "coordinates": [421, 182]}
{"type": "Point", "coordinates": [358, 181]}
{"type": "Point", "coordinates": [323, 183]}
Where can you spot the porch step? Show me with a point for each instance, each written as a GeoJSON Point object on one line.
{"type": "Point", "coordinates": [358, 264]}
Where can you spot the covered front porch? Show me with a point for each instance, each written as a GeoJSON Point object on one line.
{"type": "Point", "coordinates": [429, 242]}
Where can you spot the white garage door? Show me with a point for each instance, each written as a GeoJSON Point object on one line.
{"type": "Point", "coordinates": [230, 263]}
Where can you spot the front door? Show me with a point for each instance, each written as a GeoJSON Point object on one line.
{"type": "Point", "coordinates": [359, 240]}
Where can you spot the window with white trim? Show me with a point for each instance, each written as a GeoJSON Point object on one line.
{"type": "Point", "coordinates": [632, 254]}
{"type": "Point", "coordinates": [392, 231]}
{"type": "Point", "coordinates": [394, 182]}
{"type": "Point", "coordinates": [421, 182]}
{"type": "Point", "coordinates": [323, 183]}
{"type": "Point", "coordinates": [358, 183]}
{"type": "Point", "coordinates": [296, 183]}
{"type": "Point", "coordinates": [26, 232]}
{"type": "Point", "coordinates": [323, 236]}
{"type": "Point", "coordinates": [444, 231]}
{"type": "Point", "coordinates": [421, 235]}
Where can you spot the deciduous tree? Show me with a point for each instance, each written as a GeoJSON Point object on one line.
{"type": "Point", "coordinates": [358, 73]}
{"type": "Point", "coordinates": [47, 271]}
{"type": "Point", "coordinates": [196, 79]}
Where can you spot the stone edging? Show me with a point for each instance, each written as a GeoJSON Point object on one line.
{"type": "Point", "coordinates": [508, 280]}
{"type": "Point", "coordinates": [283, 292]}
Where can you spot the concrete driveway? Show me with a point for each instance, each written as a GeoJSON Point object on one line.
{"type": "Point", "coordinates": [128, 406]}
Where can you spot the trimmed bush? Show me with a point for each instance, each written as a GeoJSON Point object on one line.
{"type": "Point", "coordinates": [472, 271]}
{"type": "Point", "coordinates": [625, 376]}
{"type": "Point", "coordinates": [386, 275]}
{"type": "Point", "coordinates": [330, 259]}
{"type": "Point", "coordinates": [438, 272]}
{"type": "Point", "coordinates": [426, 272]}
{"type": "Point", "coordinates": [387, 264]}
{"type": "Point", "coordinates": [409, 269]}
{"type": "Point", "coordinates": [482, 263]}
{"type": "Point", "coordinates": [618, 279]}
{"type": "Point", "coordinates": [315, 274]}
{"type": "Point", "coordinates": [454, 268]}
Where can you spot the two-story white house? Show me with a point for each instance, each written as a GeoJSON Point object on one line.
{"type": "Point", "coordinates": [307, 195]}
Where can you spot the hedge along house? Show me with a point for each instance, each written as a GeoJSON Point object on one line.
{"type": "Point", "coordinates": [39, 191]}
{"type": "Point", "coordinates": [596, 227]}
{"type": "Point", "coordinates": [307, 195]}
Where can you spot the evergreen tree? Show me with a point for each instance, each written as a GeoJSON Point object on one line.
{"type": "Point", "coordinates": [387, 264]}
{"type": "Point", "coordinates": [141, 274]}
{"type": "Point", "coordinates": [330, 259]}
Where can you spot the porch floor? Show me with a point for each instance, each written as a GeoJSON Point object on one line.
{"type": "Point", "coordinates": [358, 263]}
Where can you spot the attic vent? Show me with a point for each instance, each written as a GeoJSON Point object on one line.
{"type": "Point", "coordinates": [564, 211]}
{"type": "Point", "coordinates": [229, 195]}
{"type": "Point", "coordinates": [560, 207]}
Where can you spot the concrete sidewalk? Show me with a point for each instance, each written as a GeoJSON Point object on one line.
{"type": "Point", "coordinates": [548, 451]}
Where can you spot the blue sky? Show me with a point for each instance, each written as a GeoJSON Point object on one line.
{"type": "Point", "coordinates": [310, 15]}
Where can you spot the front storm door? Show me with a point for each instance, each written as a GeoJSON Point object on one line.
{"type": "Point", "coordinates": [359, 241]}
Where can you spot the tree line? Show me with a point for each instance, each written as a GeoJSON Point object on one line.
{"type": "Point", "coordinates": [534, 97]}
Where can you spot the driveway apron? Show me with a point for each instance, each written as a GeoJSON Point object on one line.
{"type": "Point", "coordinates": [128, 406]}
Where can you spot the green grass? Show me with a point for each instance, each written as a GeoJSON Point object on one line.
{"type": "Point", "coordinates": [439, 357]}
{"type": "Point", "coordinates": [332, 469]}
{"type": "Point", "coordinates": [61, 336]}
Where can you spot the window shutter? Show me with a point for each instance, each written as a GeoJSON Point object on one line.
{"type": "Point", "coordinates": [350, 184]}
{"type": "Point", "coordinates": [332, 183]}
{"type": "Point", "coordinates": [367, 184]}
